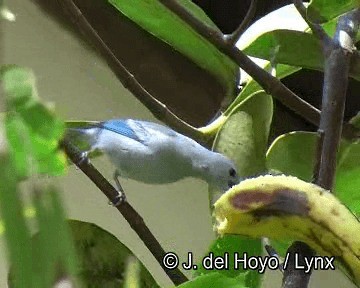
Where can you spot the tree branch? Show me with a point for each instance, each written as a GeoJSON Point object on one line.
{"type": "Point", "coordinates": [317, 30]}
{"type": "Point", "coordinates": [294, 277]}
{"type": "Point", "coordinates": [158, 109]}
{"type": "Point", "coordinates": [127, 211]}
{"type": "Point", "coordinates": [336, 73]}
{"type": "Point", "coordinates": [235, 36]}
{"type": "Point", "coordinates": [270, 84]}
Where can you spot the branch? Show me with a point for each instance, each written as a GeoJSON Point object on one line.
{"type": "Point", "coordinates": [127, 211]}
{"type": "Point", "coordinates": [158, 109]}
{"type": "Point", "coordinates": [235, 36]}
{"type": "Point", "coordinates": [336, 73]}
{"type": "Point", "coordinates": [270, 84]}
{"type": "Point", "coordinates": [317, 30]}
{"type": "Point", "coordinates": [294, 277]}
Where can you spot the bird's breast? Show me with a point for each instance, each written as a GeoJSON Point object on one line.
{"type": "Point", "coordinates": [150, 167]}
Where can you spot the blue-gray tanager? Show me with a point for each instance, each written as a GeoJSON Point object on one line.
{"type": "Point", "coordinates": [152, 153]}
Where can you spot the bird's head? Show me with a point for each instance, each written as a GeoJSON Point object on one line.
{"type": "Point", "coordinates": [219, 171]}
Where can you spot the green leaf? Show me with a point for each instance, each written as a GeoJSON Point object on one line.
{"type": "Point", "coordinates": [163, 24]}
{"type": "Point", "coordinates": [52, 251]}
{"type": "Point", "coordinates": [287, 47]}
{"type": "Point", "coordinates": [252, 86]}
{"type": "Point", "coordinates": [324, 10]}
{"type": "Point", "coordinates": [32, 129]}
{"type": "Point", "coordinates": [132, 273]}
{"type": "Point", "coordinates": [286, 155]}
{"type": "Point", "coordinates": [215, 280]}
{"type": "Point", "coordinates": [18, 85]}
{"type": "Point", "coordinates": [232, 244]}
{"type": "Point", "coordinates": [15, 131]}
{"type": "Point", "coordinates": [290, 46]}
{"type": "Point", "coordinates": [17, 236]}
{"type": "Point", "coordinates": [243, 137]}
{"type": "Point", "coordinates": [103, 258]}
{"type": "Point", "coordinates": [347, 180]}
{"type": "Point", "coordinates": [54, 244]}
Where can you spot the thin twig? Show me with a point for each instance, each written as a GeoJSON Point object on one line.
{"type": "Point", "coordinates": [317, 155]}
{"type": "Point", "coordinates": [270, 84]}
{"type": "Point", "coordinates": [318, 31]}
{"type": "Point", "coordinates": [233, 38]}
{"type": "Point", "coordinates": [158, 109]}
{"type": "Point", "coordinates": [127, 211]}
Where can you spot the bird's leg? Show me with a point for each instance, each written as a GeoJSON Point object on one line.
{"type": "Point", "coordinates": [272, 253]}
{"type": "Point", "coordinates": [121, 196]}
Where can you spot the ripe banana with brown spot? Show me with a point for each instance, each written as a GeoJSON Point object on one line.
{"type": "Point", "coordinates": [283, 207]}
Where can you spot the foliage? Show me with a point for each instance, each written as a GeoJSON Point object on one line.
{"type": "Point", "coordinates": [30, 149]}
{"type": "Point", "coordinates": [169, 28]}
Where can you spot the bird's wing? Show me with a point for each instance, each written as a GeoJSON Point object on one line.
{"type": "Point", "coordinates": [157, 128]}
{"type": "Point", "coordinates": [125, 128]}
{"type": "Point", "coordinates": [141, 131]}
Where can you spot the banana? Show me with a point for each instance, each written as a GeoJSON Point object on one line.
{"type": "Point", "coordinates": [287, 208]}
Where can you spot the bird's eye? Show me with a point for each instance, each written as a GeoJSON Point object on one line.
{"type": "Point", "coordinates": [232, 172]}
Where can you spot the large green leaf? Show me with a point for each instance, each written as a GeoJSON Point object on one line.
{"type": "Point", "coordinates": [104, 260]}
{"type": "Point", "coordinates": [243, 137]}
{"type": "Point", "coordinates": [294, 154]}
{"type": "Point", "coordinates": [324, 10]}
{"type": "Point", "coordinates": [290, 46]}
{"type": "Point", "coordinates": [165, 25]}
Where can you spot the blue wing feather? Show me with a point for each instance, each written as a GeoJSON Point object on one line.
{"type": "Point", "coordinates": [135, 129]}
{"type": "Point", "coordinates": [120, 127]}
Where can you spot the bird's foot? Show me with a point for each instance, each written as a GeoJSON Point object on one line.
{"type": "Point", "coordinates": [121, 197]}
{"type": "Point", "coordinates": [118, 200]}
{"type": "Point", "coordinates": [84, 158]}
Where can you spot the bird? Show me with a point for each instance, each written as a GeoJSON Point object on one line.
{"type": "Point", "coordinates": [155, 154]}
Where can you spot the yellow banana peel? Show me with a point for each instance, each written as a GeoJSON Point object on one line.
{"type": "Point", "coordinates": [287, 208]}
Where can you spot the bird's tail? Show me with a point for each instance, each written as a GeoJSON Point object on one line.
{"type": "Point", "coordinates": [83, 138]}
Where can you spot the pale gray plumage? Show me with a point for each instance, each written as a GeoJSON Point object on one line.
{"type": "Point", "coordinates": [152, 153]}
